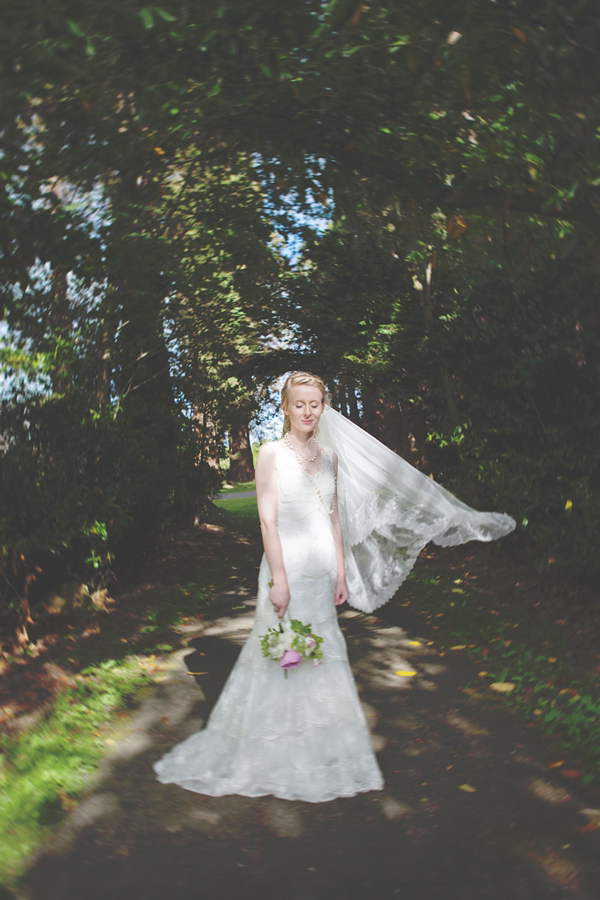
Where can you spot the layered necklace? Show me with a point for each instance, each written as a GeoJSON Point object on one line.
{"type": "Point", "coordinates": [305, 459]}
{"type": "Point", "coordinates": [300, 456]}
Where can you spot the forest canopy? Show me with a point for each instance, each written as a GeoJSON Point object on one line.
{"type": "Point", "coordinates": [197, 197]}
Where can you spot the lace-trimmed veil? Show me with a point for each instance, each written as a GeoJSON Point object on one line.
{"type": "Point", "coordinates": [390, 511]}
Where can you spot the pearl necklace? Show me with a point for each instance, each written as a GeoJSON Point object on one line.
{"type": "Point", "coordinates": [300, 456]}
{"type": "Point", "coordinates": [301, 460]}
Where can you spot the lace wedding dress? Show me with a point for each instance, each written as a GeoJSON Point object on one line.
{"type": "Point", "coordinates": [303, 737]}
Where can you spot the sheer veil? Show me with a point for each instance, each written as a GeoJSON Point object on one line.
{"type": "Point", "coordinates": [389, 511]}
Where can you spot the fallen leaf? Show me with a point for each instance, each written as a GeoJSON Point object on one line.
{"type": "Point", "coordinates": [554, 765]}
{"type": "Point", "coordinates": [467, 788]}
{"type": "Point", "coordinates": [591, 826]}
{"type": "Point", "coordinates": [198, 673]}
{"type": "Point", "coordinates": [551, 659]}
{"type": "Point", "coordinates": [413, 643]}
{"type": "Point", "coordinates": [406, 672]}
{"type": "Point", "coordinates": [571, 773]}
{"type": "Point", "coordinates": [459, 647]}
{"type": "Point", "coordinates": [481, 674]}
{"type": "Point", "coordinates": [591, 813]}
{"type": "Point", "coordinates": [356, 17]}
{"type": "Point", "coordinates": [502, 687]}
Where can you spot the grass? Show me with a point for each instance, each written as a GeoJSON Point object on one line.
{"type": "Point", "coordinates": [239, 486]}
{"type": "Point", "coordinates": [46, 766]}
{"type": "Point", "coordinates": [548, 681]}
{"type": "Point", "coordinates": [243, 507]}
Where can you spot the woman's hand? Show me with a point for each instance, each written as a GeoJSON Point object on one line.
{"type": "Point", "coordinates": [280, 598]}
{"type": "Point", "coordinates": [341, 591]}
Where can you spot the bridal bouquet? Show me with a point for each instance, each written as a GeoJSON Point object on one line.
{"type": "Point", "coordinates": [291, 643]}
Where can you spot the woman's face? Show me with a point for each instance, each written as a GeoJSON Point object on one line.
{"type": "Point", "coordinates": [305, 405]}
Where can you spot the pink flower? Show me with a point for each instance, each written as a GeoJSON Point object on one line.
{"type": "Point", "coordinates": [290, 659]}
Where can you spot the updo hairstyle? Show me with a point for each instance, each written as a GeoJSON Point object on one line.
{"type": "Point", "coordinates": [299, 378]}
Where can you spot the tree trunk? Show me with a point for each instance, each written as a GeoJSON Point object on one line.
{"type": "Point", "coordinates": [418, 427]}
{"type": "Point", "coordinates": [367, 392]}
{"type": "Point", "coordinates": [107, 337]}
{"type": "Point", "coordinates": [388, 423]}
{"type": "Point", "coordinates": [206, 436]}
{"type": "Point", "coordinates": [353, 402]}
{"type": "Point", "coordinates": [241, 465]}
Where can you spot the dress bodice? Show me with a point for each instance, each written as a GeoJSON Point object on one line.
{"type": "Point", "coordinates": [304, 526]}
{"type": "Point", "coordinates": [300, 494]}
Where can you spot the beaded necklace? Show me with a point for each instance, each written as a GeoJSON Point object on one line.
{"type": "Point", "coordinates": [300, 456]}
{"type": "Point", "coordinates": [301, 460]}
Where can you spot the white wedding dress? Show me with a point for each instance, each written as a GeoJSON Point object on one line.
{"type": "Point", "coordinates": [303, 737]}
{"type": "Point", "coordinates": [306, 737]}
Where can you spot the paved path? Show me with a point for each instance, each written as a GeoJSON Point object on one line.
{"type": "Point", "coordinates": [471, 809]}
{"type": "Point", "coordinates": [235, 495]}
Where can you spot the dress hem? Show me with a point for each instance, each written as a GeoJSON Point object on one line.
{"type": "Point", "coordinates": [259, 792]}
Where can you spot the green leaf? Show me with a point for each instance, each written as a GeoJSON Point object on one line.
{"type": "Point", "coordinates": [319, 31]}
{"type": "Point", "coordinates": [147, 17]}
{"type": "Point", "coordinates": [76, 29]}
{"type": "Point", "coordinates": [216, 89]}
{"type": "Point", "coordinates": [167, 16]}
{"type": "Point", "coordinates": [265, 70]}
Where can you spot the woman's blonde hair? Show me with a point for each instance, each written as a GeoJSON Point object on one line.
{"type": "Point", "coordinates": [292, 380]}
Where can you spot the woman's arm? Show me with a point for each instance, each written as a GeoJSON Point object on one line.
{"type": "Point", "coordinates": [341, 587]}
{"type": "Point", "coordinates": [266, 499]}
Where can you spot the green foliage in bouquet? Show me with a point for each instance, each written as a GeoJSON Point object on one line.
{"type": "Point", "coordinates": [292, 635]}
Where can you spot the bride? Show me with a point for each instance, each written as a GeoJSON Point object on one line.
{"type": "Point", "coordinates": [342, 519]}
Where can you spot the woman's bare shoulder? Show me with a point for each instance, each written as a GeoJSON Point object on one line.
{"type": "Point", "coordinates": [266, 452]}
{"type": "Point", "coordinates": [268, 448]}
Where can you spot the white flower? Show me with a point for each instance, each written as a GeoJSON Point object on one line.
{"type": "Point", "coordinates": [287, 638]}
